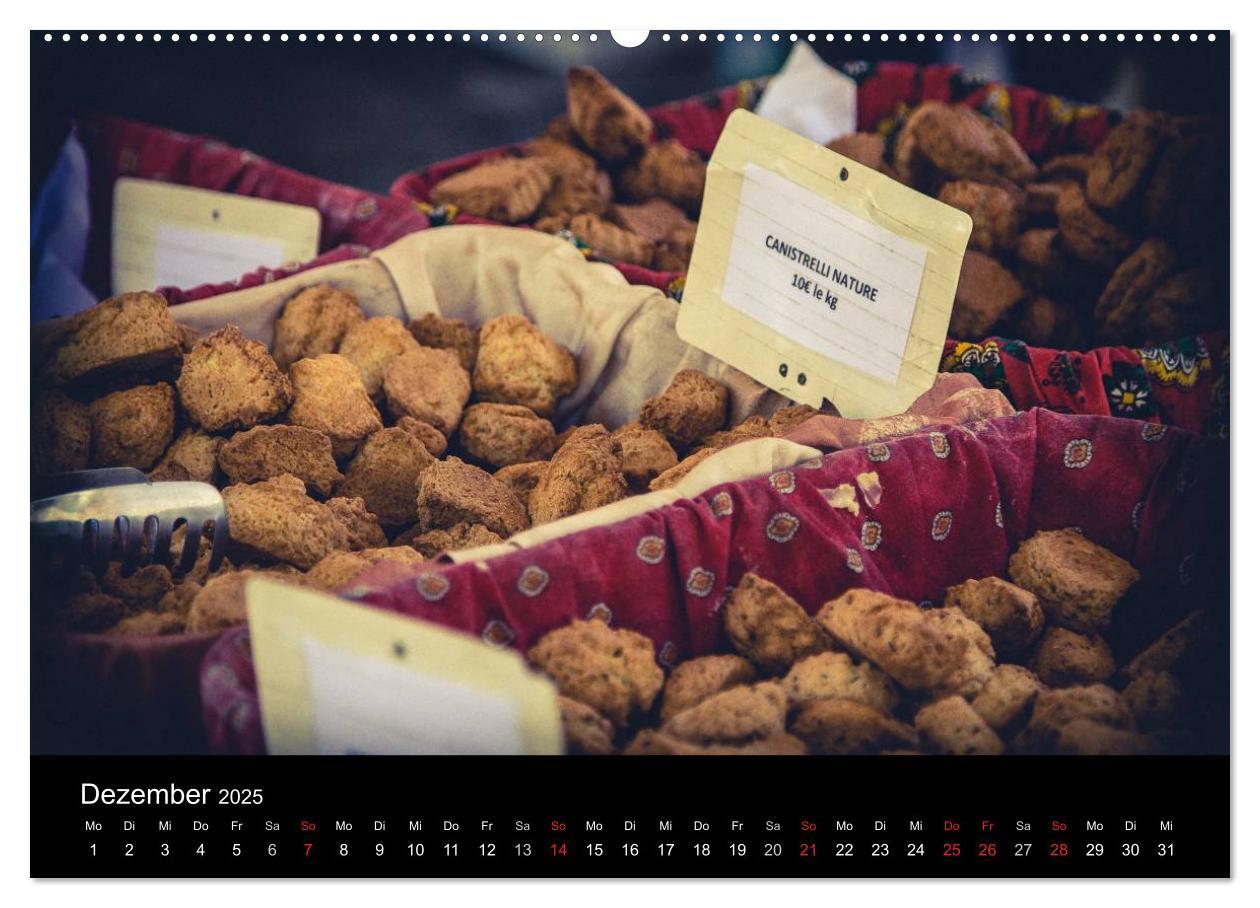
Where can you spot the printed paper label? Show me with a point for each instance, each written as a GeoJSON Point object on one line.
{"type": "Point", "coordinates": [368, 706]}
{"type": "Point", "coordinates": [837, 284]}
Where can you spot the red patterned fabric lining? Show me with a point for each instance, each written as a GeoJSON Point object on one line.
{"type": "Point", "coordinates": [953, 504]}
{"type": "Point", "coordinates": [1182, 384]}
{"type": "Point", "coordinates": [117, 147]}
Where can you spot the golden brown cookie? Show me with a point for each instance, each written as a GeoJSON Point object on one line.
{"type": "Point", "coordinates": [508, 190]}
{"type": "Point", "coordinates": [132, 428]}
{"type": "Point", "coordinates": [518, 364]}
{"type": "Point", "coordinates": [1011, 616]}
{"type": "Point", "coordinates": [951, 726]}
{"type": "Point", "coordinates": [1055, 709]}
{"type": "Point", "coordinates": [371, 345]}
{"type": "Point", "coordinates": [613, 671]}
{"type": "Point", "coordinates": [610, 241]}
{"type": "Point", "coordinates": [313, 322]}
{"type": "Point", "coordinates": [220, 604]}
{"type": "Point", "coordinates": [986, 292]}
{"type": "Point", "coordinates": [1077, 581]}
{"type": "Point", "coordinates": [995, 212]}
{"type": "Point", "coordinates": [1065, 658]}
{"type": "Point", "coordinates": [61, 434]}
{"type": "Point", "coordinates": [918, 651]}
{"type": "Point", "coordinates": [385, 473]}
{"type": "Point", "coordinates": [430, 385]}
{"type": "Point", "coordinates": [666, 170]}
{"type": "Point", "coordinates": [336, 569]}
{"type": "Point", "coordinates": [125, 334]}
{"type": "Point", "coordinates": [737, 715]}
{"type": "Point", "coordinates": [1120, 166]}
{"type": "Point", "coordinates": [607, 121]}
{"type": "Point", "coordinates": [432, 439]}
{"type": "Point", "coordinates": [192, 457]}
{"type": "Point", "coordinates": [1183, 304]}
{"type": "Point", "coordinates": [329, 397]}
{"type": "Point", "coordinates": [824, 676]}
{"type": "Point", "coordinates": [1086, 234]}
{"type": "Point", "coordinates": [654, 220]}
{"type": "Point", "coordinates": [432, 330]}
{"type": "Point", "coordinates": [844, 727]}
{"type": "Point", "coordinates": [753, 427]}
{"type": "Point", "coordinates": [362, 529]}
{"type": "Point", "coordinates": [977, 657]}
{"type": "Point", "coordinates": [939, 142]}
{"type": "Point", "coordinates": [522, 478]}
{"type": "Point", "coordinates": [585, 730]}
{"type": "Point", "coordinates": [266, 451]}
{"type": "Point", "coordinates": [1007, 697]}
{"type": "Point", "coordinates": [275, 518]}
{"type": "Point", "coordinates": [1121, 312]}
{"type": "Point", "coordinates": [229, 381]}
{"type": "Point", "coordinates": [701, 678]}
{"type": "Point", "coordinates": [768, 627]}
{"type": "Point", "coordinates": [584, 473]}
{"type": "Point", "coordinates": [691, 407]}
{"type": "Point", "coordinates": [455, 538]}
{"type": "Point", "coordinates": [505, 434]}
{"type": "Point", "coordinates": [645, 454]}
{"type": "Point", "coordinates": [452, 492]}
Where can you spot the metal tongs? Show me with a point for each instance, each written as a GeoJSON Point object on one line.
{"type": "Point", "coordinates": [119, 515]}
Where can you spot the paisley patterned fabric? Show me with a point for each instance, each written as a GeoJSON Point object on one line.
{"type": "Point", "coordinates": [1184, 383]}
{"type": "Point", "coordinates": [947, 504]}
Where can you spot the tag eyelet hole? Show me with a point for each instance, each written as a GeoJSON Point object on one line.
{"type": "Point", "coordinates": [844, 174]}
{"type": "Point", "coordinates": [783, 370]}
{"type": "Point", "coordinates": [800, 378]}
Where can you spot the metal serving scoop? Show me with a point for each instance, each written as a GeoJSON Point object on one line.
{"type": "Point", "coordinates": [118, 515]}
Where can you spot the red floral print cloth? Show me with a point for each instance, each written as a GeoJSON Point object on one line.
{"type": "Point", "coordinates": [949, 504]}
{"type": "Point", "coordinates": [1045, 125]}
{"type": "Point", "coordinates": [349, 217]}
{"type": "Point", "coordinates": [1184, 383]}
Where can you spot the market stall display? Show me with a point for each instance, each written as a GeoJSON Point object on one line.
{"type": "Point", "coordinates": [488, 429]}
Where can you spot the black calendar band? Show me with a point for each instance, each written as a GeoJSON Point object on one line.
{"type": "Point", "coordinates": [448, 817]}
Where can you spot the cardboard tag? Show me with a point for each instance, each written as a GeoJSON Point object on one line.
{"type": "Point", "coordinates": [176, 236]}
{"type": "Point", "coordinates": [339, 678]}
{"type": "Point", "coordinates": [820, 278]}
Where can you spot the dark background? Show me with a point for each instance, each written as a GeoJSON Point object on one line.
{"type": "Point", "coordinates": [364, 113]}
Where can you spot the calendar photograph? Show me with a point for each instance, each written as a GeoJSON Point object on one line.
{"type": "Point", "coordinates": [851, 404]}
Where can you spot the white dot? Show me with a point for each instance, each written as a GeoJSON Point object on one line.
{"type": "Point", "coordinates": [1120, 37]}
{"type": "Point", "coordinates": [1103, 37]}
{"type": "Point", "coordinates": [319, 37]}
{"type": "Point", "coordinates": [1176, 37]}
{"type": "Point", "coordinates": [555, 37]}
{"type": "Point", "coordinates": [756, 37]}
{"type": "Point", "coordinates": [920, 36]}
{"type": "Point", "coordinates": [1067, 37]}
{"type": "Point", "coordinates": [157, 37]}
{"type": "Point", "coordinates": [102, 37]}
{"type": "Point", "coordinates": [1194, 37]}
{"type": "Point", "coordinates": [739, 37]}
{"type": "Point", "coordinates": [683, 36]}
{"type": "Point", "coordinates": [1212, 37]}
{"type": "Point", "coordinates": [665, 37]}
{"type": "Point", "coordinates": [594, 37]}
{"type": "Point", "coordinates": [1157, 37]}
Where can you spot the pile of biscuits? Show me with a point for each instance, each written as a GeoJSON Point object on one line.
{"type": "Point", "coordinates": [1126, 245]}
{"type": "Point", "coordinates": [1020, 665]}
{"type": "Point", "coordinates": [598, 173]}
{"type": "Point", "coordinates": [353, 440]}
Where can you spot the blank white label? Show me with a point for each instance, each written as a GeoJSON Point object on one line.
{"type": "Point", "coordinates": [186, 257]}
{"type": "Point", "coordinates": [822, 276]}
{"type": "Point", "coordinates": [365, 705]}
